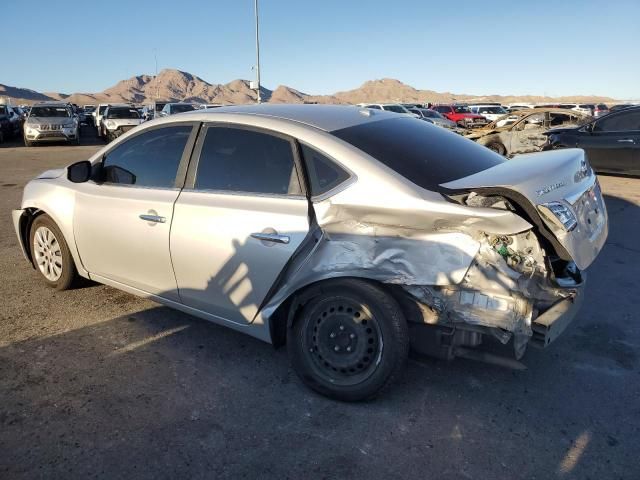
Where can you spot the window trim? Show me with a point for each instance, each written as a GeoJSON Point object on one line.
{"type": "Point", "coordinates": [347, 182]}
{"type": "Point", "coordinates": [181, 172]}
{"type": "Point", "coordinates": [192, 169]}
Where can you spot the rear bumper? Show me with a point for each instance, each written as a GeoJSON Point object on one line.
{"type": "Point", "coordinates": [550, 325]}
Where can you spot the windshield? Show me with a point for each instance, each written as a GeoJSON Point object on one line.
{"type": "Point", "coordinates": [182, 108]}
{"type": "Point", "coordinates": [492, 110]}
{"type": "Point", "coordinates": [430, 113]}
{"type": "Point", "coordinates": [50, 112]}
{"type": "Point", "coordinates": [461, 109]}
{"type": "Point", "coordinates": [123, 113]}
{"type": "Point", "coordinates": [159, 106]}
{"type": "Point", "coordinates": [101, 109]}
{"type": "Point", "coordinates": [394, 108]}
{"type": "Point", "coordinates": [422, 153]}
{"type": "Point", "coordinates": [89, 109]}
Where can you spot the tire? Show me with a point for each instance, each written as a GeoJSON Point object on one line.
{"type": "Point", "coordinates": [350, 342]}
{"type": "Point", "coordinates": [496, 147]}
{"type": "Point", "coordinates": [46, 248]}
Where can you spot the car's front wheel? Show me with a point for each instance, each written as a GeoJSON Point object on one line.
{"type": "Point", "coordinates": [350, 341]}
{"type": "Point", "coordinates": [50, 253]}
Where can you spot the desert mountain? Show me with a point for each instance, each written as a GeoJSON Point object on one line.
{"type": "Point", "coordinates": [175, 85]}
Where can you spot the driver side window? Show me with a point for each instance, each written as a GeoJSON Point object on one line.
{"type": "Point", "coordinates": [150, 159]}
{"type": "Point", "coordinates": [622, 122]}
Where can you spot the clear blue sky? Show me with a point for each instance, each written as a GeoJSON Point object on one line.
{"type": "Point", "coordinates": [558, 47]}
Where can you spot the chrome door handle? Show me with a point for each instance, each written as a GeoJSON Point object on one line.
{"type": "Point", "coordinates": [271, 237]}
{"type": "Point", "coordinates": [152, 218]}
{"type": "Point", "coordinates": [626, 140]}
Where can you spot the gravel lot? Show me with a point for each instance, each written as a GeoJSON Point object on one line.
{"type": "Point", "coordinates": [97, 383]}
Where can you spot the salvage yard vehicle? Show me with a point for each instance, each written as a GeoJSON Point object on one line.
{"type": "Point", "coordinates": [51, 122]}
{"type": "Point", "coordinates": [524, 131]}
{"type": "Point", "coordinates": [173, 108]}
{"type": "Point", "coordinates": [117, 119]}
{"type": "Point", "coordinates": [347, 234]}
{"type": "Point", "coordinates": [388, 107]}
{"type": "Point", "coordinates": [490, 111]}
{"type": "Point", "coordinates": [434, 117]}
{"type": "Point", "coordinates": [612, 142]}
{"type": "Point", "coordinates": [8, 128]}
{"type": "Point", "coordinates": [461, 115]}
{"type": "Point", "coordinates": [97, 115]}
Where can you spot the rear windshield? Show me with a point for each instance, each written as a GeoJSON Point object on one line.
{"type": "Point", "coordinates": [422, 153]}
{"type": "Point", "coordinates": [461, 109]}
{"type": "Point", "coordinates": [50, 112]}
{"type": "Point", "coordinates": [430, 113]}
{"type": "Point", "coordinates": [182, 108]}
{"type": "Point", "coordinates": [123, 113]}
{"type": "Point", "coordinates": [394, 108]}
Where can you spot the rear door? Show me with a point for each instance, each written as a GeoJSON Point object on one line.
{"type": "Point", "coordinates": [238, 221]}
{"type": "Point", "coordinates": [614, 142]}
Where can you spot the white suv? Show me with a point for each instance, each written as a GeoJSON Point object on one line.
{"type": "Point", "coordinates": [490, 111]}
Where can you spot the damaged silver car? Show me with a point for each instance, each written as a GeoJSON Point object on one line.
{"type": "Point", "coordinates": [350, 235]}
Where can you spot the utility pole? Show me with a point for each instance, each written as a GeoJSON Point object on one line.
{"type": "Point", "coordinates": [155, 56]}
{"type": "Point", "coordinates": [257, 55]}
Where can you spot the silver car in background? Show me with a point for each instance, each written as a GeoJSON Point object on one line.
{"type": "Point", "coordinates": [347, 234]}
{"type": "Point", "coordinates": [51, 122]}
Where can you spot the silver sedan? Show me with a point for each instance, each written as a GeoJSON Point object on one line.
{"type": "Point", "coordinates": [348, 234]}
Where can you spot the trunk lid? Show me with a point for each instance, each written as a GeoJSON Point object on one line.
{"type": "Point", "coordinates": [558, 176]}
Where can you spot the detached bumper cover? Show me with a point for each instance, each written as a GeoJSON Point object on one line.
{"type": "Point", "coordinates": [550, 325]}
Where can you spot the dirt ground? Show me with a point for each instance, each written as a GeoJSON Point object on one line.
{"type": "Point", "coordinates": [97, 383]}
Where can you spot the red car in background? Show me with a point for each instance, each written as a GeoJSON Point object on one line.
{"type": "Point", "coordinates": [461, 115]}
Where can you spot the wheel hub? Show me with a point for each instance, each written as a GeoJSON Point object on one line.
{"type": "Point", "coordinates": [344, 340]}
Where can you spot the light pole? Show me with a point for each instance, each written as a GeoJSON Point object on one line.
{"type": "Point", "coordinates": [257, 55]}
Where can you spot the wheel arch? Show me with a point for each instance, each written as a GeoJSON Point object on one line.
{"type": "Point", "coordinates": [29, 215]}
{"type": "Point", "coordinates": [283, 317]}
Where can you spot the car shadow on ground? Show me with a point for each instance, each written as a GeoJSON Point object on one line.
{"type": "Point", "coordinates": [159, 393]}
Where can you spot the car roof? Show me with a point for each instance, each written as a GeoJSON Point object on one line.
{"type": "Point", "coordinates": [323, 117]}
{"type": "Point", "coordinates": [50, 104]}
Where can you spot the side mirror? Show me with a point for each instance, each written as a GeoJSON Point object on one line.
{"type": "Point", "coordinates": [79, 172]}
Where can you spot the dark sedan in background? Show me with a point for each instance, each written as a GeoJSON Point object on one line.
{"type": "Point", "coordinates": [612, 142]}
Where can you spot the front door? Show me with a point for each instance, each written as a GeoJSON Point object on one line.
{"type": "Point", "coordinates": [238, 225]}
{"type": "Point", "coordinates": [613, 143]}
{"type": "Point", "coordinates": [122, 221]}
{"type": "Point", "coordinates": [528, 134]}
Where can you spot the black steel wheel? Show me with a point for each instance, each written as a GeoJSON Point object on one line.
{"type": "Point", "coordinates": [350, 341]}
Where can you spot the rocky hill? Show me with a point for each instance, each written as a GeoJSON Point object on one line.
{"type": "Point", "coordinates": [175, 85]}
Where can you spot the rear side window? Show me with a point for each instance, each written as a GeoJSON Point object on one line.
{"type": "Point", "coordinates": [422, 153]}
{"type": "Point", "coordinates": [239, 160]}
{"type": "Point", "coordinates": [150, 159]}
{"type": "Point", "coordinates": [323, 173]}
{"type": "Point", "coordinates": [620, 122]}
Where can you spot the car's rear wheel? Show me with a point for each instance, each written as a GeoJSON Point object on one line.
{"type": "Point", "coordinates": [50, 254]}
{"type": "Point", "coordinates": [350, 341]}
